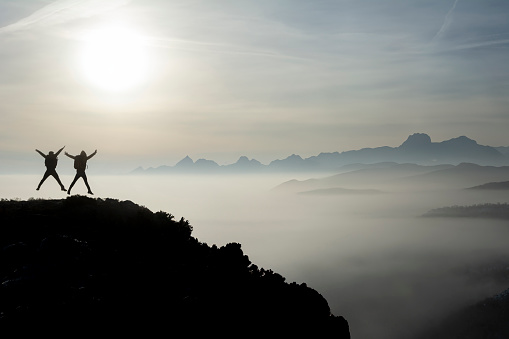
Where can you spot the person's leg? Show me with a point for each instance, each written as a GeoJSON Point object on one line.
{"type": "Point", "coordinates": [86, 183]}
{"type": "Point", "coordinates": [55, 175]}
{"type": "Point", "coordinates": [73, 182]}
{"type": "Point", "coordinates": [44, 177]}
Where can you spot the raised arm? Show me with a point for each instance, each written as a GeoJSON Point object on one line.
{"type": "Point", "coordinates": [91, 155]}
{"type": "Point", "coordinates": [70, 156]}
{"type": "Point", "coordinates": [60, 150]}
{"type": "Point", "coordinates": [42, 154]}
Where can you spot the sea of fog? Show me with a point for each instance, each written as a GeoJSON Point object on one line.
{"type": "Point", "coordinates": [378, 263]}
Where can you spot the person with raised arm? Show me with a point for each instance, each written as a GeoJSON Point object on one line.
{"type": "Point", "coordinates": [50, 161]}
{"type": "Point", "coordinates": [80, 164]}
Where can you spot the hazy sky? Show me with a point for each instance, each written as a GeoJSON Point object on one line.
{"type": "Point", "coordinates": [149, 82]}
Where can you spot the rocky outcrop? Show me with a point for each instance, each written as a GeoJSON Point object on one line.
{"type": "Point", "coordinates": [101, 266]}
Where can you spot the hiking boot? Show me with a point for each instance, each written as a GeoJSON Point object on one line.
{"type": "Point", "coordinates": [69, 192]}
{"type": "Point", "coordinates": [63, 189]}
{"type": "Point", "coordinates": [90, 192]}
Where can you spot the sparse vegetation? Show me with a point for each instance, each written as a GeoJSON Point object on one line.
{"type": "Point", "coordinates": [485, 319]}
{"type": "Point", "coordinates": [95, 265]}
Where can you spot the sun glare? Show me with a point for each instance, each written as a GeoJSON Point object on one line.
{"type": "Point", "coordinates": [113, 59]}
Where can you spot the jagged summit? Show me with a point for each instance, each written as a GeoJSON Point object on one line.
{"type": "Point", "coordinates": [245, 162]}
{"type": "Point", "coordinates": [187, 161]}
{"type": "Point", "coordinates": [243, 159]}
{"type": "Point", "coordinates": [204, 163]}
{"type": "Point", "coordinates": [418, 148]}
{"type": "Point", "coordinates": [416, 140]}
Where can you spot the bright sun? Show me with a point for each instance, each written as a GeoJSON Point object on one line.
{"type": "Point", "coordinates": [113, 58]}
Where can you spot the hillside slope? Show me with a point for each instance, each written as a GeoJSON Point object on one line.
{"type": "Point", "coordinates": [96, 265]}
{"type": "Point", "coordinates": [403, 176]}
{"type": "Point", "coordinates": [486, 319]}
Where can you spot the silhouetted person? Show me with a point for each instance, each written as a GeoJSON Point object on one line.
{"type": "Point", "coordinates": [80, 164]}
{"type": "Point", "coordinates": [50, 161]}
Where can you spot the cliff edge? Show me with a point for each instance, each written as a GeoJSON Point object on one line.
{"type": "Point", "coordinates": [92, 265]}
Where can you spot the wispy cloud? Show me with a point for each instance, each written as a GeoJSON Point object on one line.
{"type": "Point", "coordinates": [63, 11]}
{"type": "Point", "coordinates": [447, 22]}
{"type": "Point", "coordinates": [221, 48]}
{"type": "Point", "coordinates": [481, 44]}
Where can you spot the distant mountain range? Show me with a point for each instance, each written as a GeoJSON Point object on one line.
{"type": "Point", "coordinates": [417, 149]}
{"type": "Point", "coordinates": [487, 211]}
{"type": "Point", "coordinates": [339, 191]}
{"type": "Point", "coordinates": [498, 186]}
{"type": "Point", "coordinates": [394, 175]}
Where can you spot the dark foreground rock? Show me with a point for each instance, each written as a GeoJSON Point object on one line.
{"type": "Point", "coordinates": [82, 265]}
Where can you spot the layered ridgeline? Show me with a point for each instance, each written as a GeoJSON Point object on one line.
{"type": "Point", "coordinates": [82, 264]}
{"type": "Point", "coordinates": [417, 148]}
{"type": "Point", "coordinates": [485, 211]}
{"type": "Point", "coordinates": [486, 319]}
{"type": "Point", "coordinates": [368, 178]}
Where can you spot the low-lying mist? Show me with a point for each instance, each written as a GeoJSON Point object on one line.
{"type": "Point", "coordinates": [386, 269]}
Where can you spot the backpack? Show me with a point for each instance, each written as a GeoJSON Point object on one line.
{"type": "Point", "coordinates": [80, 162]}
{"type": "Point", "coordinates": [51, 162]}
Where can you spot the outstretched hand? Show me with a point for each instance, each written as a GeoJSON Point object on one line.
{"type": "Point", "coordinates": [60, 150]}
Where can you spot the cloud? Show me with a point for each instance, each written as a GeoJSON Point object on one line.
{"type": "Point", "coordinates": [447, 22]}
{"type": "Point", "coordinates": [481, 44]}
{"type": "Point", "coordinates": [221, 48]}
{"type": "Point", "coordinates": [63, 11]}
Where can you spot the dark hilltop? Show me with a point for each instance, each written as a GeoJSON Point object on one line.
{"type": "Point", "coordinates": [82, 265]}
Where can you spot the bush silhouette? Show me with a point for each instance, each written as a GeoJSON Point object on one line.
{"type": "Point", "coordinates": [107, 265]}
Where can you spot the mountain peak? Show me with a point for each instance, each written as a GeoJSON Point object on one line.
{"type": "Point", "coordinates": [139, 169]}
{"type": "Point", "coordinates": [294, 157]}
{"type": "Point", "coordinates": [416, 140]}
{"type": "Point", "coordinates": [187, 161]}
{"type": "Point", "coordinates": [245, 164]}
{"type": "Point", "coordinates": [206, 163]}
{"type": "Point", "coordinates": [243, 159]}
{"type": "Point", "coordinates": [462, 140]}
